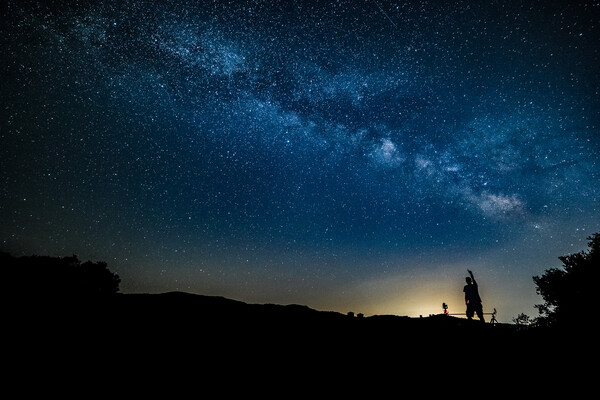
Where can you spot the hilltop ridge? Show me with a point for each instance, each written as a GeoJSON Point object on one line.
{"type": "Point", "coordinates": [184, 314]}
{"type": "Point", "coordinates": [166, 331]}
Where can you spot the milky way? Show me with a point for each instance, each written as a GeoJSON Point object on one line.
{"type": "Point", "coordinates": [341, 154]}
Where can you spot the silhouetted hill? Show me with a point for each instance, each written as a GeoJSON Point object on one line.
{"type": "Point", "coordinates": [185, 314]}
{"type": "Point", "coordinates": [182, 316]}
{"type": "Point", "coordinates": [180, 334]}
{"type": "Point", "coordinates": [192, 310]}
{"type": "Point", "coordinates": [60, 311]}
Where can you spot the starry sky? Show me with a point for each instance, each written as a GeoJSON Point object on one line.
{"type": "Point", "coordinates": [346, 155]}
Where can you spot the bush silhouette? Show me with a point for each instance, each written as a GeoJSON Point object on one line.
{"type": "Point", "coordinates": [568, 291]}
{"type": "Point", "coordinates": [53, 277]}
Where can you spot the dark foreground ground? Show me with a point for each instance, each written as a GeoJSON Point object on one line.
{"type": "Point", "coordinates": [206, 340]}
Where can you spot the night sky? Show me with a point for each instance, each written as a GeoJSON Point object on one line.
{"type": "Point", "coordinates": [346, 155]}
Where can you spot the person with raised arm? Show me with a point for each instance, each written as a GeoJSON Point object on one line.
{"type": "Point", "coordinates": [472, 299]}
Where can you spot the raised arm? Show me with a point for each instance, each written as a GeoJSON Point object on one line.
{"type": "Point", "coordinates": [472, 277]}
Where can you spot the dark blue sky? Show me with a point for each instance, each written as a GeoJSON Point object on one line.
{"type": "Point", "coordinates": [347, 155]}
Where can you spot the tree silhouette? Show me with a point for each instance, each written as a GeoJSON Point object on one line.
{"type": "Point", "coordinates": [522, 320]}
{"type": "Point", "coordinates": [53, 277]}
{"type": "Point", "coordinates": [568, 291]}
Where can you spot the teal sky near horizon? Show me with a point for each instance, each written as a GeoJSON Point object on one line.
{"type": "Point", "coordinates": [347, 155]}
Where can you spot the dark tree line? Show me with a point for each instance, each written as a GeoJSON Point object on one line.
{"type": "Point", "coordinates": [53, 277]}
{"type": "Point", "coordinates": [569, 292]}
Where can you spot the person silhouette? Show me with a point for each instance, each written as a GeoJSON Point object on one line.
{"type": "Point", "coordinates": [472, 299]}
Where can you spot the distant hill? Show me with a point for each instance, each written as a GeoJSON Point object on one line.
{"type": "Point", "coordinates": [183, 315]}
{"type": "Point", "coordinates": [61, 312]}
{"type": "Point", "coordinates": [181, 333]}
{"type": "Point", "coordinates": [185, 311]}
{"type": "Point", "coordinates": [193, 309]}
